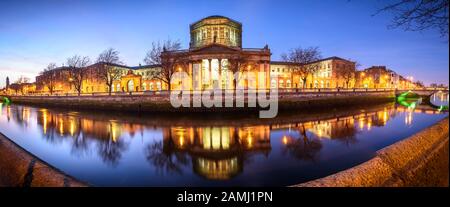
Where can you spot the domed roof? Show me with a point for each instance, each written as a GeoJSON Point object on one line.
{"type": "Point", "coordinates": [217, 17]}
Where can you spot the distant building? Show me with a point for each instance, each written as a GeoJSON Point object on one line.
{"type": "Point", "coordinates": [381, 77]}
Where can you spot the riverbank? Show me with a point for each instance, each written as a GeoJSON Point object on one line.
{"type": "Point", "coordinates": [19, 168]}
{"type": "Point", "coordinates": [161, 103]}
{"type": "Point", "coordinates": [419, 160]}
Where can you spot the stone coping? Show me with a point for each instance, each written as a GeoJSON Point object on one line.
{"type": "Point", "coordinates": [19, 168]}
{"type": "Point", "coordinates": [409, 162]}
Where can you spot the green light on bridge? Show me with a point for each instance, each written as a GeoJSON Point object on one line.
{"type": "Point", "coordinates": [6, 100]}
{"type": "Point", "coordinates": [408, 99]}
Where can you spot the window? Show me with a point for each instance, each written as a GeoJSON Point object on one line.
{"type": "Point", "coordinates": [144, 86]}
{"type": "Point", "coordinates": [288, 83]}
{"type": "Point", "coordinates": [130, 85]}
{"type": "Point", "coordinates": [281, 84]}
{"type": "Point", "coordinates": [151, 86]}
{"type": "Point", "coordinates": [158, 85]}
{"type": "Point", "coordinates": [273, 83]}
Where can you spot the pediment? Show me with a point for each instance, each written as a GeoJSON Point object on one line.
{"type": "Point", "coordinates": [215, 48]}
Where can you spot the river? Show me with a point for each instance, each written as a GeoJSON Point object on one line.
{"type": "Point", "coordinates": [124, 149]}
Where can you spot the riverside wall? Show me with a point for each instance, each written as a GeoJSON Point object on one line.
{"type": "Point", "coordinates": [161, 103]}
{"type": "Point", "coordinates": [420, 160]}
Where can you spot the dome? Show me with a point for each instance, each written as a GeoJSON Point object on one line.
{"type": "Point", "coordinates": [216, 30]}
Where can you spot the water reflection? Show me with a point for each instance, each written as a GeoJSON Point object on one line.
{"type": "Point", "coordinates": [440, 100]}
{"type": "Point", "coordinates": [220, 150]}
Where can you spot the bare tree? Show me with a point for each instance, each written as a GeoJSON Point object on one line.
{"type": "Point", "coordinates": [168, 62]}
{"type": "Point", "coordinates": [153, 56]}
{"type": "Point", "coordinates": [418, 15]}
{"type": "Point", "coordinates": [77, 66]}
{"type": "Point", "coordinates": [23, 79]}
{"type": "Point", "coordinates": [168, 67]}
{"type": "Point", "coordinates": [237, 64]}
{"type": "Point", "coordinates": [348, 73]}
{"type": "Point", "coordinates": [109, 73]}
{"type": "Point", "coordinates": [303, 60]}
{"type": "Point", "coordinates": [419, 84]}
{"type": "Point", "coordinates": [49, 77]}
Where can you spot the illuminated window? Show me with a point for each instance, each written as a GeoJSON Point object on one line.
{"type": "Point", "coordinates": [281, 84]}
{"type": "Point", "coordinates": [130, 85]}
{"type": "Point", "coordinates": [273, 83]}
{"type": "Point", "coordinates": [288, 83]}
{"type": "Point", "coordinates": [158, 86]}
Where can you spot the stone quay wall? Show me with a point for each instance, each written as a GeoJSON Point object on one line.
{"type": "Point", "coordinates": [417, 161]}
{"type": "Point", "coordinates": [161, 103]}
{"type": "Point", "coordinates": [19, 168]}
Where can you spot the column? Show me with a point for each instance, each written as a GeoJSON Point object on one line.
{"type": "Point", "coordinates": [267, 72]}
{"type": "Point", "coordinates": [261, 70]}
{"type": "Point", "coordinates": [220, 73]}
{"type": "Point", "coordinates": [201, 75]}
{"type": "Point", "coordinates": [191, 75]}
{"type": "Point", "coordinates": [210, 73]}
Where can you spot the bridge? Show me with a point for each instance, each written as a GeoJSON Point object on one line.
{"type": "Point", "coordinates": [425, 92]}
{"type": "Point", "coordinates": [5, 99]}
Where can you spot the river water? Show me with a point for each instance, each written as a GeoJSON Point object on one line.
{"type": "Point", "coordinates": [115, 149]}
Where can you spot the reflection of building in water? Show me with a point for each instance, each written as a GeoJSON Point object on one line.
{"type": "Point", "coordinates": [218, 152]}
{"type": "Point", "coordinates": [340, 127]}
{"type": "Point", "coordinates": [71, 125]}
{"type": "Point", "coordinates": [217, 169]}
{"type": "Point", "coordinates": [21, 114]}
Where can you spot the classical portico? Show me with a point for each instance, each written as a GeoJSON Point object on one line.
{"type": "Point", "coordinates": [216, 55]}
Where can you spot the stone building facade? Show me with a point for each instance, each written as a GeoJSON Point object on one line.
{"type": "Point", "coordinates": [214, 55]}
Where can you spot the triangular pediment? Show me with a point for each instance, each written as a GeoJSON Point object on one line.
{"type": "Point", "coordinates": [215, 48]}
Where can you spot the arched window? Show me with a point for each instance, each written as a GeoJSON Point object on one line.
{"type": "Point", "coordinates": [158, 85]}
{"type": "Point", "coordinates": [281, 84]}
{"type": "Point", "coordinates": [273, 83]}
{"type": "Point", "coordinates": [118, 87]}
{"type": "Point", "coordinates": [322, 84]}
{"type": "Point", "coordinates": [328, 84]}
{"type": "Point", "coordinates": [316, 84]}
{"type": "Point", "coordinates": [144, 86]}
{"type": "Point", "coordinates": [288, 83]}
{"type": "Point", "coordinates": [130, 85]}
{"type": "Point", "coordinates": [300, 83]}
{"type": "Point", "coordinates": [151, 87]}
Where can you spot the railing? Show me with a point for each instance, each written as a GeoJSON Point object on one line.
{"type": "Point", "coordinates": [284, 91]}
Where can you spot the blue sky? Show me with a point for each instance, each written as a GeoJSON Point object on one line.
{"type": "Point", "coordinates": [35, 33]}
